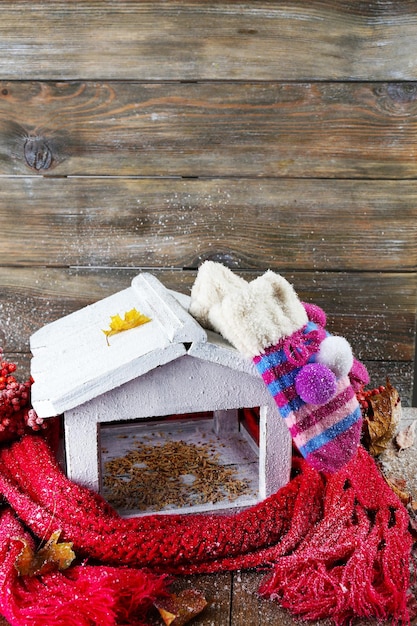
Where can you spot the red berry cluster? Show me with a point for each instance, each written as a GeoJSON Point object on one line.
{"type": "Point", "coordinates": [16, 414]}
{"type": "Point", "coordinates": [363, 396]}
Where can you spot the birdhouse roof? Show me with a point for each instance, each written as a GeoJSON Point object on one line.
{"type": "Point", "coordinates": [73, 362]}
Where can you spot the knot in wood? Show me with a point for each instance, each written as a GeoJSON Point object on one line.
{"type": "Point", "coordinates": [402, 92]}
{"type": "Point", "coordinates": [38, 154]}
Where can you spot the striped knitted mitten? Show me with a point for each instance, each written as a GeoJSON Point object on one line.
{"type": "Point", "coordinates": [305, 368]}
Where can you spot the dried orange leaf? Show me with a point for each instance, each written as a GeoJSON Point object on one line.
{"type": "Point", "coordinates": [177, 610]}
{"type": "Point", "coordinates": [131, 319]}
{"type": "Point", "coordinates": [167, 617]}
{"type": "Point", "coordinates": [61, 554]}
{"type": "Point", "coordinates": [399, 487]}
{"type": "Point", "coordinates": [53, 556]}
{"type": "Point", "coordinates": [405, 438]}
{"type": "Point", "coordinates": [24, 561]}
{"type": "Point", "coordinates": [382, 425]}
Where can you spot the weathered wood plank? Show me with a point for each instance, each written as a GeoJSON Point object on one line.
{"type": "Point", "coordinates": [284, 225]}
{"type": "Point", "coordinates": [377, 317]}
{"type": "Point", "coordinates": [376, 312]}
{"type": "Point", "coordinates": [199, 40]}
{"type": "Point", "coordinates": [322, 130]}
{"type": "Point", "coordinates": [400, 375]}
{"type": "Point", "coordinates": [249, 608]}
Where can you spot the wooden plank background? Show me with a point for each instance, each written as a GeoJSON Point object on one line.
{"type": "Point", "coordinates": [155, 135]}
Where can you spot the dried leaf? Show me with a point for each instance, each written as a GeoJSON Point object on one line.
{"type": "Point", "coordinates": [177, 610]}
{"type": "Point", "coordinates": [405, 438]}
{"type": "Point", "coordinates": [53, 556]}
{"type": "Point", "coordinates": [399, 487]}
{"type": "Point", "coordinates": [382, 425]}
{"type": "Point", "coordinates": [132, 319]}
{"type": "Point", "coordinates": [24, 561]}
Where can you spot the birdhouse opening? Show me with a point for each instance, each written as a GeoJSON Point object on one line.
{"type": "Point", "coordinates": [181, 463]}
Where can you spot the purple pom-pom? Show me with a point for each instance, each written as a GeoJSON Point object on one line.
{"type": "Point", "coordinates": [316, 384]}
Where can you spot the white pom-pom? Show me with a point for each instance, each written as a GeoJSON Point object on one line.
{"type": "Point", "coordinates": [336, 353]}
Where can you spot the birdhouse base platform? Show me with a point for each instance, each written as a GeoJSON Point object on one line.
{"type": "Point", "coordinates": [178, 464]}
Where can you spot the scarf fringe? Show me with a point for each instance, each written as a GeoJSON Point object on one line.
{"type": "Point", "coordinates": [337, 547]}
{"type": "Point", "coordinates": [81, 596]}
{"type": "Point", "coordinates": [356, 562]}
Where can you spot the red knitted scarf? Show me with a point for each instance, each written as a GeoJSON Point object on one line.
{"type": "Point", "coordinates": [335, 547]}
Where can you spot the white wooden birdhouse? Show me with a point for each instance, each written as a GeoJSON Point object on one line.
{"type": "Point", "coordinates": [140, 404]}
